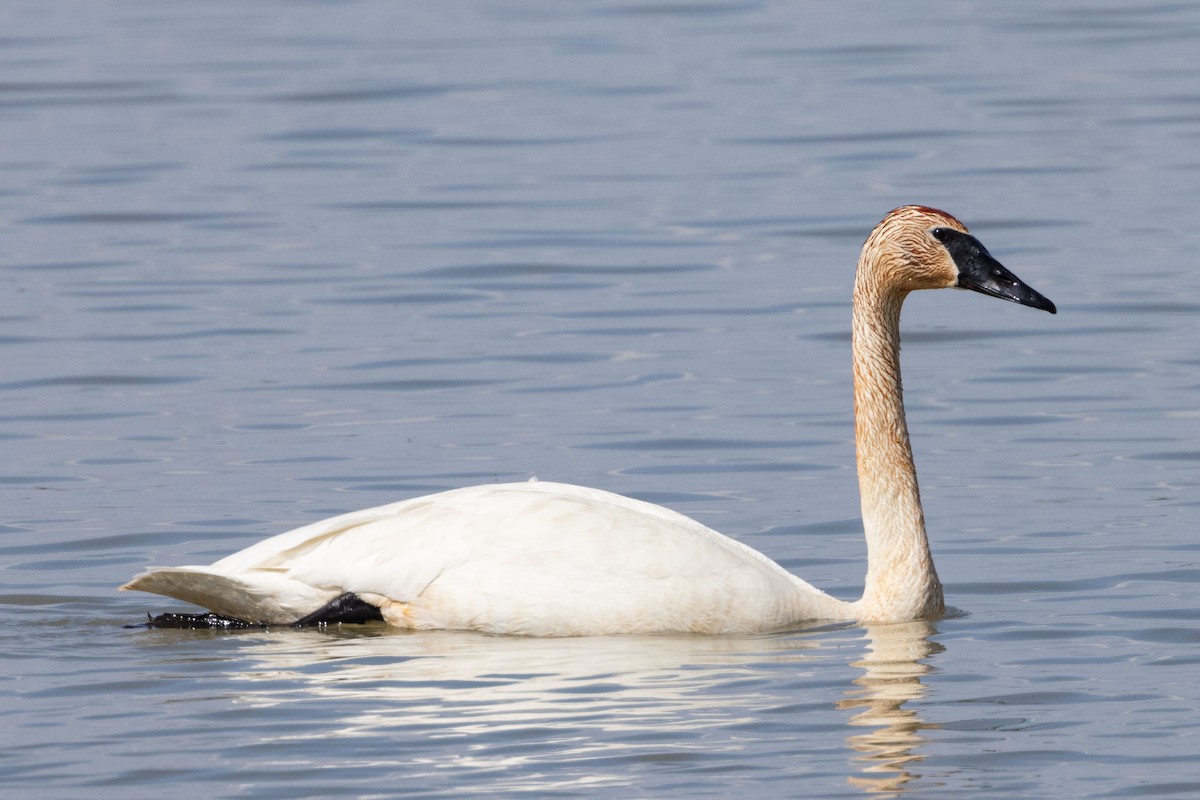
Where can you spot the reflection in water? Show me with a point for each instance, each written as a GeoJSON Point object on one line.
{"type": "Point", "coordinates": [892, 670]}
{"type": "Point", "coordinates": [535, 714]}
{"type": "Point", "coordinates": [573, 714]}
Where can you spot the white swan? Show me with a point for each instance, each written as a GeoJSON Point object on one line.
{"type": "Point", "coordinates": [549, 559]}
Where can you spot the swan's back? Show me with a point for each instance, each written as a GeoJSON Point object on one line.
{"type": "Point", "coordinates": [533, 558]}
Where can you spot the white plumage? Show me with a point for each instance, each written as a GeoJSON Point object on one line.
{"type": "Point", "coordinates": [549, 559]}
{"type": "Point", "coordinates": [535, 558]}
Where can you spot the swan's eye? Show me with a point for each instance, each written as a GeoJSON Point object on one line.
{"type": "Point", "coordinates": [941, 234]}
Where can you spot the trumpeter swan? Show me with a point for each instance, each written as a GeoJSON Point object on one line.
{"type": "Point", "coordinates": [549, 559]}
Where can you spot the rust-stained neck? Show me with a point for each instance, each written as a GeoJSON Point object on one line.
{"type": "Point", "coordinates": [901, 582]}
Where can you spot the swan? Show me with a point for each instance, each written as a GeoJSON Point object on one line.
{"type": "Point", "coordinates": [550, 559]}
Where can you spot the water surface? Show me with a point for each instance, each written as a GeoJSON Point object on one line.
{"type": "Point", "coordinates": [266, 263]}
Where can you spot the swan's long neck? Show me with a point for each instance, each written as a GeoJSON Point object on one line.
{"type": "Point", "coordinates": [901, 580]}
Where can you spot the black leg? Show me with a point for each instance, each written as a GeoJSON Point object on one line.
{"type": "Point", "coordinates": [347, 608]}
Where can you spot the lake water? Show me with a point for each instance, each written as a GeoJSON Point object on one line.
{"type": "Point", "coordinates": [267, 262]}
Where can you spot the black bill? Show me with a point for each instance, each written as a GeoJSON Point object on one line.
{"type": "Point", "coordinates": [979, 272]}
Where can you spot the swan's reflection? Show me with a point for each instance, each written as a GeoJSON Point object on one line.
{"type": "Point", "coordinates": [540, 714]}
{"type": "Point", "coordinates": [468, 681]}
{"type": "Point", "coordinates": [892, 670]}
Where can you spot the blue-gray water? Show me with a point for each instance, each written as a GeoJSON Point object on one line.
{"type": "Point", "coordinates": [266, 262]}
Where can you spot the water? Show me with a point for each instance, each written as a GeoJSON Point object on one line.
{"type": "Point", "coordinates": [267, 262]}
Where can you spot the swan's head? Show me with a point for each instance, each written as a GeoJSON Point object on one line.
{"type": "Point", "coordinates": [916, 247]}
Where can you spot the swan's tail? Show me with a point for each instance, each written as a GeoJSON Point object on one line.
{"type": "Point", "coordinates": [257, 597]}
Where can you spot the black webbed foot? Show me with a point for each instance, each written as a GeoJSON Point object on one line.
{"type": "Point", "coordinates": [348, 608]}
{"type": "Point", "coordinates": [209, 621]}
